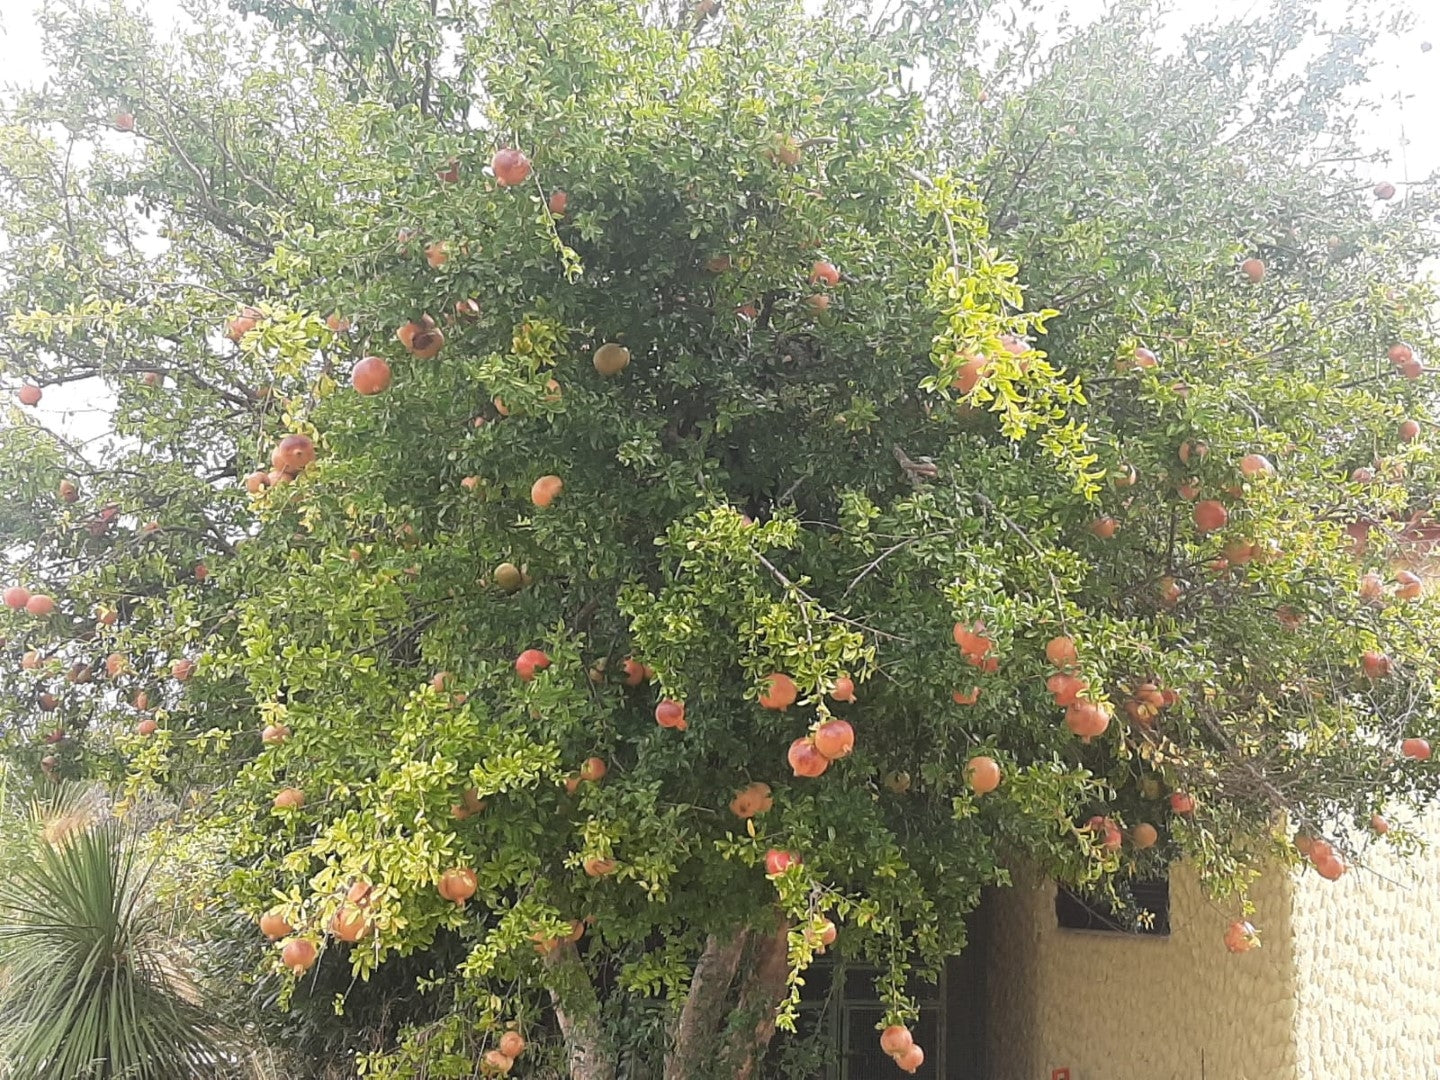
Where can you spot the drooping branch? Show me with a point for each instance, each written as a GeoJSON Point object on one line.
{"type": "Point", "coordinates": [699, 1020]}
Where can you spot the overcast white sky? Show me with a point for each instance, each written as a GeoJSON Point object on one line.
{"type": "Point", "coordinates": [1406, 129]}
{"type": "Point", "coordinates": [1410, 78]}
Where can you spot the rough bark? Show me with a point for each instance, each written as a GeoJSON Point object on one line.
{"type": "Point", "coordinates": [577, 1010]}
{"type": "Point", "coordinates": [697, 1028]}
{"type": "Point", "coordinates": [761, 993]}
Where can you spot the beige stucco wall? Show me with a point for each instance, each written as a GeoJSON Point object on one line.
{"type": "Point", "coordinates": [1367, 956]}
{"type": "Point", "coordinates": [1347, 983]}
{"type": "Point", "coordinates": [1123, 1008]}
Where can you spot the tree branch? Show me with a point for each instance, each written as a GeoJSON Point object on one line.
{"type": "Point", "coordinates": [577, 1010]}
{"type": "Point", "coordinates": [760, 996]}
{"type": "Point", "coordinates": [696, 1027]}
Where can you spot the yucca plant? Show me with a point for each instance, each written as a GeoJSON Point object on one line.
{"type": "Point", "coordinates": [89, 986]}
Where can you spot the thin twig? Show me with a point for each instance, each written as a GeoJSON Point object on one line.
{"type": "Point", "coordinates": [875, 563]}
{"type": "Point", "coordinates": [988, 505]}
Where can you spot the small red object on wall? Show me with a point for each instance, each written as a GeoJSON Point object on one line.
{"type": "Point", "coordinates": [1059, 1074]}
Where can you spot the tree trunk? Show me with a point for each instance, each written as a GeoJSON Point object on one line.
{"type": "Point", "coordinates": [761, 994]}
{"type": "Point", "coordinates": [587, 1051]}
{"type": "Point", "coordinates": [697, 1028]}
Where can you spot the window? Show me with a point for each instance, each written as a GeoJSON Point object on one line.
{"type": "Point", "coordinates": [1144, 909]}
{"type": "Point", "coordinates": [840, 1008]}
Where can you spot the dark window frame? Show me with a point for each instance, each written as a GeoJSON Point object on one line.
{"type": "Point", "coordinates": [1093, 914]}
{"type": "Point", "coordinates": [845, 1016]}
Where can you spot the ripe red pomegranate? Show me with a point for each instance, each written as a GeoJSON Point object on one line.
{"type": "Point", "coordinates": [1104, 527]}
{"type": "Point", "coordinates": [670, 714]}
{"type": "Point", "coordinates": [896, 1039]}
{"type": "Point", "coordinates": [1409, 585]}
{"type": "Point", "coordinates": [753, 799]}
{"type": "Point", "coordinates": [349, 923]}
{"type": "Point", "coordinates": [1061, 652]}
{"type": "Point", "coordinates": [971, 372]}
{"type": "Point", "coordinates": [421, 338]}
{"type": "Point", "coordinates": [844, 689]}
{"type": "Point", "coordinates": [1182, 803]}
{"type": "Point", "coordinates": [293, 454]}
{"type": "Point", "coordinates": [778, 692]}
{"type": "Point", "coordinates": [457, 885]}
{"type": "Point", "coordinates": [1066, 688]}
{"type": "Point", "coordinates": [983, 774]}
{"type": "Point", "coordinates": [777, 861]}
{"type": "Point", "coordinates": [29, 394]}
{"type": "Point", "coordinates": [1384, 191]}
{"type": "Point", "coordinates": [1375, 665]}
{"type": "Point", "coordinates": [1087, 719]}
{"type": "Point", "coordinates": [242, 324]}
{"type": "Point", "coordinates": [371, 376]}
{"type": "Point", "coordinates": [1408, 431]}
{"type": "Point", "coordinates": [1255, 465]}
{"type": "Point", "coordinates": [1240, 937]}
{"type": "Point", "coordinates": [1193, 449]}
{"type": "Point", "coordinates": [1254, 270]}
{"type": "Point", "coordinates": [909, 1061]}
{"type": "Point", "coordinates": [634, 672]}
{"type": "Point", "coordinates": [557, 203]}
{"type": "Point", "coordinates": [16, 597]}
{"type": "Point", "coordinates": [510, 167]}
{"type": "Point", "coordinates": [274, 925]}
{"type": "Point", "coordinates": [1210, 514]}
{"type": "Point", "coordinates": [593, 770]}
{"type": "Point", "coordinates": [972, 641]}
{"type": "Point", "coordinates": [529, 662]}
{"type": "Point", "coordinates": [299, 955]}
{"type": "Point", "coordinates": [546, 490]}
{"type": "Point", "coordinates": [834, 739]}
{"type": "Point", "coordinates": [824, 273]}
{"type": "Point", "coordinates": [1107, 833]}
{"type": "Point", "coordinates": [275, 734]}
{"type": "Point", "coordinates": [805, 759]}
{"type": "Point", "coordinates": [1416, 749]}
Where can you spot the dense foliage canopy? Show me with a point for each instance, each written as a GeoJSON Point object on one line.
{"type": "Point", "coordinates": [526, 445]}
